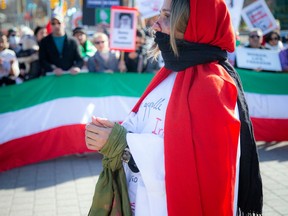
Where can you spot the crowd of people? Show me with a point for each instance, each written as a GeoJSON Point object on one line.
{"type": "Point", "coordinates": [26, 54]}
{"type": "Point", "coordinates": [270, 41]}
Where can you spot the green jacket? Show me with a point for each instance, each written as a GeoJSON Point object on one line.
{"type": "Point", "coordinates": [88, 49]}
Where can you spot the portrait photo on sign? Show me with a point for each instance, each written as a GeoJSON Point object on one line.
{"type": "Point", "coordinates": [123, 28]}
{"type": "Point", "coordinates": [124, 20]}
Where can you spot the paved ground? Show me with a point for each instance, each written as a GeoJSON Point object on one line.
{"type": "Point", "coordinates": [65, 186]}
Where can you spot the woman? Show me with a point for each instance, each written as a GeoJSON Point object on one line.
{"type": "Point", "coordinates": [40, 32]}
{"type": "Point", "coordinates": [184, 133]}
{"type": "Point", "coordinates": [273, 41]}
{"type": "Point", "coordinates": [28, 58]}
{"type": "Point", "coordinates": [85, 45]}
{"type": "Point", "coordinates": [9, 70]}
{"type": "Point", "coordinates": [104, 60]}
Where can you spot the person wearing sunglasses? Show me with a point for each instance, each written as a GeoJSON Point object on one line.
{"type": "Point", "coordinates": [136, 61]}
{"type": "Point", "coordinates": [59, 53]}
{"type": "Point", "coordinates": [273, 41]}
{"type": "Point", "coordinates": [255, 39]}
{"type": "Point", "coordinates": [104, 60]}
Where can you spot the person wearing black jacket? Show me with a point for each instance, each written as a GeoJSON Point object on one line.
{"type": "Point", "coordinates": [58, 52]}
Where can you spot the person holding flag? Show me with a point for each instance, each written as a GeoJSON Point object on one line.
{"type": "Point", "coordinates": [58, 52]}
{"type": "Point", "coordinates": [187, 147]}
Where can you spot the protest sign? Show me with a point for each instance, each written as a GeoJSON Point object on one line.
{"type": "Point", "coordinates": [96, 12]}
{"type": "Point", "coordinates": [235, 8]}
{"type": "Point", "coordinates": [123, 28]}
{"type": "Point", "coordinates": [103, 16]}
{"type": "Point", "coordinates": [101, 3]}
{"type": "Point", "coordinates": [258, 15]}
{"type": "Point", "coordinates": [258, 59]}
{"type": "Point", "coordinates": [149, 8]}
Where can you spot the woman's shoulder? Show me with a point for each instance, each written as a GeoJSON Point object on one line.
{"type": "Point", "coordinates": [213, 78]}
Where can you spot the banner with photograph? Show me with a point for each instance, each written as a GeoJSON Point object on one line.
{"type": "Point", "coordinates": [123, 26]}
{"type": "Point", "coordinates": [149, 8]}
{"type": "Point", "coordinates": [258, 58]}
{"type": "Point", "coordinates": [258, 15]}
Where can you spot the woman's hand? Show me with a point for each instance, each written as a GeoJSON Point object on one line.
{"type": "Point", "coordinates": [97, 133]}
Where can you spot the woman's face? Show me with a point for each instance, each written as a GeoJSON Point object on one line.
{"type": "Point", "coordinates": [163, 22]}
{"type": "Point", "coordinates": [274, 40]}
{"type": "Point", "coordinates": [41, 34]}
{"type": "Point", "coordinates": [101, 44]}
{"type": "Point", "coordinates": [255, 39]}
{"type": "Point", "coordinates": [3, 43]}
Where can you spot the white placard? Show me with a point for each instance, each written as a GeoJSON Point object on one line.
{"type": "Point", "coordinates": [123, 28]}
{"type": "Point", "coordinates": [258, 15]}
{"type": "Point", "coordinates": [149, 8]}
{"type": "Point", "coordinates": [251, 58]}
{"type": "Point", "coordinates": [235, 8]}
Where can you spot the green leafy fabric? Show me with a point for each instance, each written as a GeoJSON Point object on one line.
{"type": "Point", "coordinates": [111, 194]}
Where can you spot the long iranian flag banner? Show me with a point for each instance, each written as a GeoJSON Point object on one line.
{"type": "Point", "coordinates": [45, 118]}
{"type": "Point", "coordinates": [267, 98]}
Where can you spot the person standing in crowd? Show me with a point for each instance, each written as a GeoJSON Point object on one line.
{"type": "Point", "coordinates": [104, 60]}
{"type": "Point", "coordinates": [59, 52]}
{"type": "Point", "coordinates": [9, 70]}
{"type": "Point", "coordinates": [187, 147]}
{"type": "Point", "coordinates": [14, 39]}
{"type": "Point", "coordinates": [255, 39]}
{"type": "Point", "coordinates": [87, 49]}
{"type": "Point", "coordinates": [40, 32]}
{"type": "Point", "coordinates": [137, 61]}
{"type": "Point", "coordinates": [28, 58]}
{"type": "Point", "coordinates": [273, 41]}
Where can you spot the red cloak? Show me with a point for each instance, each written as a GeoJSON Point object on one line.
{"type": "Point", "coordinates": [201, 131]}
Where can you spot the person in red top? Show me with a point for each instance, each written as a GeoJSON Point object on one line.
{"type": "Point", "coordinates": [190, 139]}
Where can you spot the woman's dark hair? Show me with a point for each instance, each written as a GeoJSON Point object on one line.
{"type": "Point", "coordinates": [268, 37]}
{"type": "Point", "coordinates": [37, 29]}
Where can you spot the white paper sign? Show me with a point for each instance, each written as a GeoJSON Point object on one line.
{"type": "Point", "coordinates": [258, 15]}
{"type": "Point", "coordinates": [235, 8]}
{"type": "Point", "coordinates": [149, 8]}
{"type": "Point", "coordinates": [251, 58]}
{"type": "Point", "coordinates": [123, 28]}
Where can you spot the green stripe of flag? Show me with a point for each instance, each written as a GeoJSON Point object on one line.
{"type": "Point", "coordinates": [264, 82]}
{"type": "Point", "coordinates": [48, 88]}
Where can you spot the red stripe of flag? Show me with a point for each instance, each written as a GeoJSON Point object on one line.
{"type": "Point", "coordinates": [270, 129]}
{"type": "Point", "coordinates": [42, 146]}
